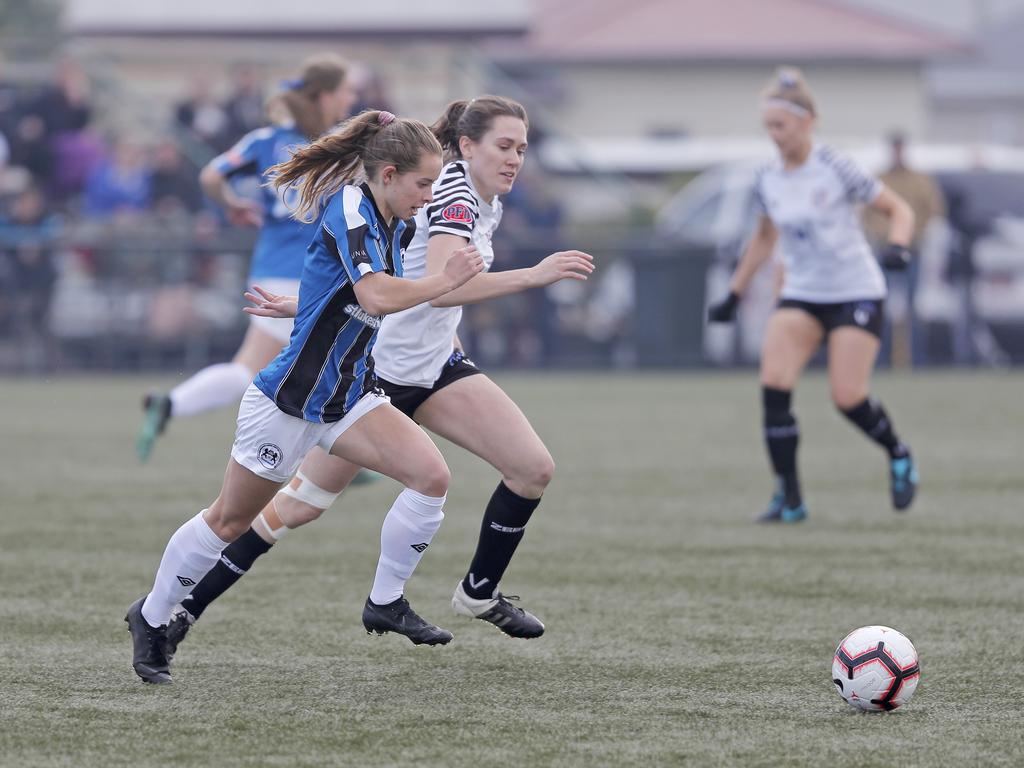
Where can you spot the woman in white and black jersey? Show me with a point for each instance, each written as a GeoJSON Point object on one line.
{"type": "Point", "coordinates": [833, 290]}
{"type": "Point", "coordinates": [421, 366]}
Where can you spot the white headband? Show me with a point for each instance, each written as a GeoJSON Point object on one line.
{"type": "Point", "coordinates": [789, 106]}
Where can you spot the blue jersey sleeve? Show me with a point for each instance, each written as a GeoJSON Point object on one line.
{"type": "Point", "coordinates": [358, 250]}
{"type": "Point", "coordinates": [244, 156]}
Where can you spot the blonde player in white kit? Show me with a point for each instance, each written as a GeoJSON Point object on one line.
{"type": "Point", "coordinates": [833, 290]}
{"type": "Point", "coordinates": [420, 365]}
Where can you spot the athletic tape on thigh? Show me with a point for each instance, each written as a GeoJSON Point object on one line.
{"type": "Point", "coordinates": [310, 493]}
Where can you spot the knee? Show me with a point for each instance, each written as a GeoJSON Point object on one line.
{"type": "Point", "coordinates": [538, 473]}
{"type": "Point", "coordinates": [432, 479]}
{"type": "Point", "coordinates": [530, 477]}
{"type": "Point", "coordinates": [846, 396]}
{"type": "Point", "coordinates": [294, 512]}
{"type": "Point", "coordinates": [224, 524]}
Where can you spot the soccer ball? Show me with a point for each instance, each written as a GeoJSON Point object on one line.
{"type": "Point", "coordinates": [876, 669]}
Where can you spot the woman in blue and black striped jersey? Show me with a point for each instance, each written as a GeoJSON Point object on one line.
{"type": "Point", "coordinates": [320, 98]}
{"type": "Point", "coordinates": [321, 390]}
{"type": "Point", "coordinates": [833, 289]}
{"type": "Point", "coordinates": [421, 366]}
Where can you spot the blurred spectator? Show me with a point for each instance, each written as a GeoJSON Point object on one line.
{"type": "Point", "coordinates": [174, 184]}
{"type": "Point", "coordinates": [65, 106]}
{"type": "Point", "coordinates": [202, 117]}
{"type": "Point", "coordinates": [923, 194]}
{"type": "Point", "coordinates": [29, 146]}
{"type": "Point", "coordinates": [372, 92]}
{"type": "Point", "coordinates": [120, 183]}
{"type": "Point", "coordinates": [920, 190]}
{"type": "Point", "coordinates": [244, 106]}
{"type": "Point", "coordinates": [28, 275]}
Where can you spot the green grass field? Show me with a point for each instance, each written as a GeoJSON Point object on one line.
{"type": "Point", "coordinates": [679, 633]}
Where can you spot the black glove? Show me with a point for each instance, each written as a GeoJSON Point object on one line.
{"type": "Point", "coordinates": [725, 310]}
{"type": "Point", "coordinates": [895, 257]}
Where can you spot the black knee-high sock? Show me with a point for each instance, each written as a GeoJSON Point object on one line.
{"type": "Point", "coordinates": [871, 417]}
{"type": "Point", "coordinates": [500, 533]}
{"type": "Point", "coordinates": [782, 435]}
{"type": "Point", "coordinates": [233, 564]}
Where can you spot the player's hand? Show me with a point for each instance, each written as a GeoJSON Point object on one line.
{"type": "Point", "coordinates": [463, 265]}
{"type": "Point", "coordinates": [575, 265]}
{"type": "Point", "coordinates": [725, 310]}
{"type": "Point", "coordinates": [244, 213]}
{"type": "Point", "coordinates": [895, 257]}
{"type": "Point", "coordinates": [269, 304]}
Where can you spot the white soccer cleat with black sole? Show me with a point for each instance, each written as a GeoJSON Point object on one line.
{"type": "Point", "coordinates": [510, 619]}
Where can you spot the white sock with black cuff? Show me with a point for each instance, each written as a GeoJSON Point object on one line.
{"type": "Point", "coordinates": [408, 529]}
{"type": "Point", "coordinates": [192, 551]}
{"type": "Point", "coordinates": [216, 386]}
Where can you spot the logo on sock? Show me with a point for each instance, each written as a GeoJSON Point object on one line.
{"type": "Point", "coordinates": [473, 584]}
{"type": "Point", "coordinates": [506, 529]}
{"type": "Point", "coordinates": [185, 581]}
{"type": "Point", "coordinates": [269, 455]}
{"type": "Point", "coordinates": [419, 547]}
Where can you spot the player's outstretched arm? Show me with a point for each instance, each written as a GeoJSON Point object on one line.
{"type": "Point", "coordinates": [381, 294]}
{"type": "Point", "coordinates": [572, 265]}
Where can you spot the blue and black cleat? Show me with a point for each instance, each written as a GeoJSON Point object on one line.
{"type": "Point", "coordinates": [903, 481]}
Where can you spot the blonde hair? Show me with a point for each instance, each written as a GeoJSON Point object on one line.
{"type": "Point", "coordinates": [363, 144]}
{"type": "Point", "coordinates": [322, 73]}
{"type": "Point", "coordinates": [788, 86]}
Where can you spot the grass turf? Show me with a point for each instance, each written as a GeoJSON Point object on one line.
{"type": "Point", "coordinates": [679, 633]}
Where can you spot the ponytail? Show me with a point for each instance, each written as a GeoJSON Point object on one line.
{"type": "Point", "coordinates": [361, 145]}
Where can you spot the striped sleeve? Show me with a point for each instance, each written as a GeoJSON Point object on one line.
{"type": "Point", "coordinates": [243, 157]}
{"type": "Point", "coordinates": [358, 250]}
{"type": "Point", "coordinates": [860, 186]}
{"type": "Point", "coordinates": [454, 209]}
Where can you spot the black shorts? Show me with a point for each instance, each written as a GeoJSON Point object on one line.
{"type": "Point", "coordinates": [866, 314]}
{"type": "Point", "coordinates": [408, 398]}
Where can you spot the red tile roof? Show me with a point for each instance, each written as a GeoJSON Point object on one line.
{"type": "Point", "coordinates": [601, 30]}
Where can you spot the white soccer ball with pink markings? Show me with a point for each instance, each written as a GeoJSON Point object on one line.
{"type": "Point", "coordinates": [876, 669]}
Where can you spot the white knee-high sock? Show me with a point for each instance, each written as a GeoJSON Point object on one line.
{"type": "Point", "coordinates": [192, 551]}
{"type": "Point", "coordinates": [407, 531]}
{"type": "Point", "coordinates": [213, 387]}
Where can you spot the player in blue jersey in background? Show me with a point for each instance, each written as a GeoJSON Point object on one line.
{"type": "Point", "coordinates": [321, 390]}
{"type": "Point", "coordinates": [833, 290]}
{"type": "Point", "coordinates": [310, 105]}
{"type": "Point", "coordinates": [422, 368]}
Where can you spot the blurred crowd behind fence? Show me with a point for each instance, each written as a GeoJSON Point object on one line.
{"type": "Point", "coordinates": [110, 258]}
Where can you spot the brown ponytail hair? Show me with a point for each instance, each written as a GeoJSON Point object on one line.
{"type": "Point", "coordinates": [473, 119]}
{"type": "Point", "coordinates": [363, 144]}
{"type": "Point", "coordinates": [789, 85]}
{"type": "Point", "coordinates": [320, 74]}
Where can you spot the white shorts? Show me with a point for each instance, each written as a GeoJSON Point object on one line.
{"type": "Point", "coordinates": [279, 328]}
{"type": "Point", "coordinates": [272, 444]}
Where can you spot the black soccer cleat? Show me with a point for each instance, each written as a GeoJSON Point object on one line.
{"type": "Point", "coordinates": [510, 619]}
{"type": "Point", "coordinates": [903, 481]}
{"type": "Point", "coordinates": [157, 410]}
{"type": "Point", "coordinates": [149, 646]}
{"type": "Point", "coordinates": [401, 618]}
{"type": "Point", "coordinates": [179, 625]}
